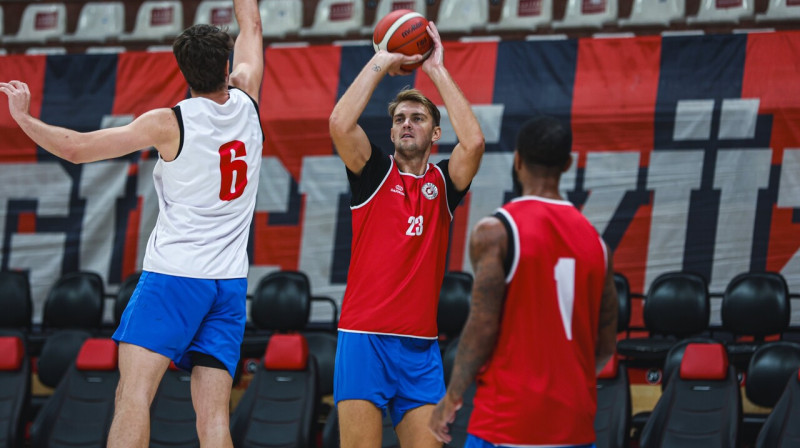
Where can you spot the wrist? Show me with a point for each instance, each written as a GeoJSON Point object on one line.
{"type": "Point", "coordinates": [454, 398]}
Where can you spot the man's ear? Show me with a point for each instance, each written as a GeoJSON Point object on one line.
{"type": "Point", "coordinates": [517, 161]}
{"type": "Point", "coordinates": [437, 134]}
{"type": "Point", "coordinates": [568, 164]}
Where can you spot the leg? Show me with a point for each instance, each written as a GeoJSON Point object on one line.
{"type": "Point", "coordinates": [211, 394]}
{"type": "Point", "coordinates": [413, 430]}
{"type": "Point", "coordinates": [140, 373]}
{"type": "Point", "coordinates": [360, 424]}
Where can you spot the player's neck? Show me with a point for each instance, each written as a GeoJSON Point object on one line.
{"type": "Point", "coordinates": [416, 164]}
{"type": "Point", "coordinates": [219, 97]}
{"type": "Point", "coordinates": [543, 187]}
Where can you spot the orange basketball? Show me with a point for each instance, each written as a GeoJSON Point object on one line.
{"type": "Point", "coordinates": [403, 31]}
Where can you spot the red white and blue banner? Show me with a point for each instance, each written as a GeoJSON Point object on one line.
{"type": "Point", "coordinates": [687, 148]}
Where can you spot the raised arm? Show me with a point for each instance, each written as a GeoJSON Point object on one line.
{"type": "Point", "coordinates": [158, 128]}
{"type": "Point", "coordinates": [487, 249]}
{"type": "Point", "coordinates": [466, 157]}
{"type": "Point", "coordinates": [609, 314]}
{"type": "Point", "coordinates": [350, 140]}
{"type": "Point", "coordinates": [248, 51]}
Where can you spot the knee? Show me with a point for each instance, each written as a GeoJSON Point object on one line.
{"type": "Point", "coordinates": [128, 396]}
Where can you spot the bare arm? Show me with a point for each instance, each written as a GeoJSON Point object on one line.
{"type": "Point", "coordinates": [248, 51]}
{"type": "Point", "coordinates": [466, 157]}
{"type": "Point", "coordinates": [158, 128]}
{"type": "Point", "coordinates": [350, 140]}
{"type": "Point", "coordinates": [607, 329]}
{"type": "Point", "coordinates": [487, 248]}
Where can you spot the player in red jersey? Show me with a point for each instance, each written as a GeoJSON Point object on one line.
{"type": "Point", "coordinates": [387, 359]}
{"type": "Point", "coordinates": [543, 317]}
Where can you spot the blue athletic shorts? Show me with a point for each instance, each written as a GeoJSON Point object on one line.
{"type": "Point", "coordinates": [174, 316]}
{"type": "Point", "coordinates": [477, 442]}
{"type": "Point", "coordinates": [395, 373]}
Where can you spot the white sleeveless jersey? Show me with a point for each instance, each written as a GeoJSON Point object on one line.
{"type": "Point", "coordinates": [206, 196]}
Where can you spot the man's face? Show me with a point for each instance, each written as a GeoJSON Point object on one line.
{"type": "Point", "coordinates": [412, 127]}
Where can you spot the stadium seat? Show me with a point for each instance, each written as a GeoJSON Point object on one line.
{"type": "Point", "coordinates": [779, 10]}
{"type": "Point", "coordinates": [624, 302]}
{"type": "Point", "coordinates": [613, 419]}
{"type": "Point", "coordinates": [15, 390]}
{"type": "Point", "coordinates": [454, 298]}
{"type": "Point", "coordinates": [525, 15]}
{"type": "Point", "coordinates": [157, 20]}
{"type": "Point", "coordinates": [677, 306]}
{"type": "Point", "coordinates": [280, 404]}
{"type": "Point", "coordinates": [98, 21]}
{"type": "Point", "coordinates": [588, 14]}
{"type": "Point", "coordinates": [722, 11]}
{"type": "Point", "coordinates": [768, 371]}
{"type": "Point", "coordinates": [73, 312]}
{"type": "Point", "coordinates": [754, 304]}
{"type": "Point", "coordinates": [80, 410]}
{"type": "Point", "coordinates": [701, 406]}
{"type": "Point", "coordinates": [779, 431]}
{"type": "Point", "coordinates": [15, 301]}
{"type": "Point", "coordinates": [219, 13]}
{"type": "Point", "coordinates": [173, 423]}
{"type": "Point", "coordinates": [280, 17]}
{"type": "Point", "coordinates": [387, 6]}
{"type": "Point", "coordinates": [40, 22]}
{"type": "Point", "coordinates": [462, 16]}
{"type": "Point", "coordinates": [654, 13]}
{"type": "Point", "coordinates": [336, 18]}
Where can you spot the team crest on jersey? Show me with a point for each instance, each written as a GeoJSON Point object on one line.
{"type": "Point", "coordinates": [430, 191]}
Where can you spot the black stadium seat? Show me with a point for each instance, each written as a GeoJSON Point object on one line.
{"type": "Point", "coordinates": [613, 419]}
{"type": "Point", "coordinates": [279, 407]}
{"type": "Point", "coordinates": [124, 296]}
{"type": "Point", "coordinates": [781, 430]}
{"type": "Point", "coordinates": [676, 307]}
{"type": "Point", "coordinates": [454, 298]}
{"type": "Point", "coordinates": [73, 312]}
{"type": "Point", "coordinates": [624, 299]}
{"type": "Point", "coordinates": [770, 368]}
{"type": "Point", "coordinates": [700, 407]}
{"type": "Point", "coordinates": [15, 301]}
{"type": "Point", "coordinates": [15, 390]}
{"type": "Point", "coordinates": [79, 412]}
{"type": "Point", "coordinates": [754, 304]}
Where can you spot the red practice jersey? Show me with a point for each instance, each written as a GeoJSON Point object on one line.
{"type": "Point", "coordinates": [539, 386]}
{"type": "Point", "coordinates": [401, 224]}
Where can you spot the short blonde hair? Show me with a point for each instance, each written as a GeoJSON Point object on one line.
{"type": "Point", "coordinates": [416, 96]}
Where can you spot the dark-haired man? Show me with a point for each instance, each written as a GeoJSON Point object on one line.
{"type": "Point", "coordinates": [543, 317]}
{"type": "Point", "coordinates": [387, 359]}
{"type": "Point", "coordinates": [189, 305]}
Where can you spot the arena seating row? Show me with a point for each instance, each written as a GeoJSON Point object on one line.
{"type": "Point", "coordinates": [103, 22]}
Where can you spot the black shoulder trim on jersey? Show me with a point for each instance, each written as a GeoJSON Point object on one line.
{"type": "Point", "coordinates": [509, 260]}
{"type": "Point", "coordinates": [177, 111]}
{"type": "Point", "coordinates": [374, 173]}
{"type": "Point", "coordinates": [258, 111]}
{"type": "Point", "coordinates": [454, 196]}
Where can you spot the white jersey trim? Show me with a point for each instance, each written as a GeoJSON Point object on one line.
{"type": "Point", "coordinates": [446, 195]}
{"type": "Point", "coordinates": [389, 334]}
{"type": "Point", "coordinates": [515, 235]}
{"type": "Point", "coordinates": [541, 199]}
{"type": "Point", "coordinates": [427, 166]}
{"type": "Point", "coordinates": [605, 252]}
{"type": "Point", "coordinates": [391, 160]}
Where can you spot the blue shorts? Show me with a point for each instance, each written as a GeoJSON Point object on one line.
{"type": "Point", "coordinates": [395, 373]}
{"type": "Point", "coordinates": [477, 442]}
{"type": "Point", "coordinates": [174, 316]}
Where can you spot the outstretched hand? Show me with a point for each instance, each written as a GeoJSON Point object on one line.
{"type": "Point", "coordinates": [436, 57]}
{"type": "Point", "coordinates": [19, 98]}
{"type": "Point", "coordinates": [443, 415]}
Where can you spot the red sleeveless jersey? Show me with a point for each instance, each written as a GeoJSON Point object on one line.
{"type": "Point", "coordinates": [539, 386]}
{"type": "Point", "coordinates": [399, 249]}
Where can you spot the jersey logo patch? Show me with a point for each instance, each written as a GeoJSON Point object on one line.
{"type": "Point", "coordinates": [398, 189]}
{"type": "Point", "coordinates": [430, 191]}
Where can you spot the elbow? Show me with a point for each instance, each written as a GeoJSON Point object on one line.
{"type": "Point", "coordinates": [337, 125]}
{"type": "Point", "coordinates": [476, 145]}
{"type": "Point", "coordinates": [70, 153]}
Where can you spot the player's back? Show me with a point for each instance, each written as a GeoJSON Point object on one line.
{"type": "Point", "coordinates": [539, 386]}
{"type": "Point", "coordinates": [207, 193]}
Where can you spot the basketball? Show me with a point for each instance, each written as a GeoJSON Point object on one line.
{"type": "Point", "coordinates": [403, 31]}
